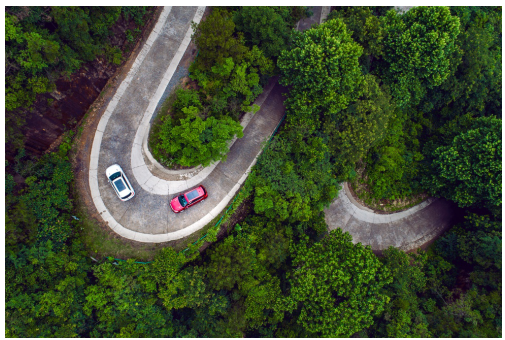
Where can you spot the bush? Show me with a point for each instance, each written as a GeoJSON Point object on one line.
{"type": "Point", "coordinates": [195, 141]}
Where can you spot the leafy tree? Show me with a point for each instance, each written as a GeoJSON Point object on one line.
{"type": "Point", "coordinates": [20, 227]}
{"type": "Point", "coordinates": [230, 263]}
{"type": "Point", "coordinates": [284, 191]}
{"type": "Point", "coordinates": [322, 67]}
{"type": "Point", "coordinates": [48, 198]}
{"type": "Point", "coordinates": [123, 305]}
{"type": "Point", "coordinates": [215, 40]}
{"type": "Point", "coordinates": [417, 48]}
{"type": "Point", "coordinates": [365, 27]}
{"type": "Point", "coordinates": [360, 126]}
{"type": "Point", "coordinates": [45, 291]}
{"type": "Point", "coordinates": [476, 85]}
{"type": "Point", "coordinates": [468, 170]}
{"type": "Point", "coordinates": [264, 27]}
{"type": "Point", "coordinates": [338, 295]}
{"type": "Point", "coordinates": [403, 315]}
{"type": "Point", "coordinates": [196, 141]}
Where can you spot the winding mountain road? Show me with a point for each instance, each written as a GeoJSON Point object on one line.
{"type": "Point", "coordinates": [121, 137]}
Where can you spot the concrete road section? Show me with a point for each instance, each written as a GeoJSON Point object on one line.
{"type": "Point", "coordinates": [407, 230]}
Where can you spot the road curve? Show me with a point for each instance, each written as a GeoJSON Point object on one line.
{"type": "Point", "coordinates": [406, 230]}
{"type": "Point", "coordinates": [123, 128]}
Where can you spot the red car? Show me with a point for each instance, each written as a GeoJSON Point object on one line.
{"type": "Point", "coordinates": [188, 199]}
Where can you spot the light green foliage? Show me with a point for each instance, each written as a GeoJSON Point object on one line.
{"type": "Point", "coordinates": [468, 171]}
{"type": "Point", "coordinates": [196, 141]}
{"type": "Point", "coordinates": [337, 285]}
{"type": "Point", "coordinates": [264, 27]}
{"type": "Point", "coordinates": [186, 289]}
{"type": "Point", "coordinates": [417, 49]}
{"type": "Point", "coordinates": [322, 67]}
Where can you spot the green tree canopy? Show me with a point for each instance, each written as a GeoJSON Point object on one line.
{"type": "Point", "coordinates": [196, 141]}
{"type": "Point", "coordinates": [322, 67]}
{"type": "Point", "coordinates": [417, 49]}
{"type": "Point", "coordinates": [468, 171]}
{"type": "Point", "coordinates": [366, 28]}
{"type": "Point", "coordinates": [215, 40]}
{"type": "Point", "coordinates": [362, 125]}
{"type": "Point", "coordinates": [337, 286]}
{"type": "Point", "coordinates": [264, 27]}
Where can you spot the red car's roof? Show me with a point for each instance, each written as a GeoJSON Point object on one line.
{"type": "Point", "coordinates": [195, 193]}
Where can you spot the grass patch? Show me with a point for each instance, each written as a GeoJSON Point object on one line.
{"type": "Point", "coordinates": [180, 245]}
{"type": "Point", "coordinates": [361, 192]}
{"type": "Point", "coordinates": [101, 244]}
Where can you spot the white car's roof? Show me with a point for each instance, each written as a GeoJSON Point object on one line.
{"type": "Point", "coordinates": [121, 186]}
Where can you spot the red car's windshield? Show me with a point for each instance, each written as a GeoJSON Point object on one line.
{"type": "Point", "coordinates": [182, 201]}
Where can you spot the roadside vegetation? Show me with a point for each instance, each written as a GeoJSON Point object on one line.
{"type": "Point", "coordinates": [414, 100]}
{"type": "Point", "coordinates": [46, 43]}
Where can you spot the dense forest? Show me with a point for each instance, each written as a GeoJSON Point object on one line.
{"type": "Point", "coordinates": [401, 103]}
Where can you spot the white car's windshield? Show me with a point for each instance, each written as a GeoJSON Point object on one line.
{"type": "Point", "coordinates": [114, 176]}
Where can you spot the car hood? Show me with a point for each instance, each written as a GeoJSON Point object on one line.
{"type": "Point", "coordinates": [175, 204]}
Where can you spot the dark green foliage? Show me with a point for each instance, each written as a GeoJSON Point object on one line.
{"type": "Point", "coordinates": [124, 304]}
{"type": "Point", "coordinates": [417, 47]}
{"type": "Point", "coordinates": [215, 41]}
{"type": "Point", "coordinates": [472, 310]}
{"type": "Point", "coordinates": [475, 83]}
{"type": "Point", "coordinates": [45, 292]}
{"type": "Point", "coordinates": [468, 170]}
{"type": "Point", "coordinates": [264, 27]}
{"type": "Point", "coordinates": [285, 191]}
{"type": "Point", "coordinates": [361, 126]}
{"type": "Point", "coordinates": [365, 27]}
{"type": "Point", "coordinates": [20, 227]}
{"type": "Point", "coordinates": [135, 12]}
{"type": "Point", "coordinates": [403, 316]}
{"type": "Point", "coordinates": [44, 43]}
{"type": "Point", "coordinates": [77, 35]}
{"type": "Point", "coordinates": [278, 273]}
{"type": "Point", "coordinates": [47, 196]}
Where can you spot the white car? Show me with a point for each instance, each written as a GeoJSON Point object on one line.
{"type": "Point", "coordinates": [120, 182]}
